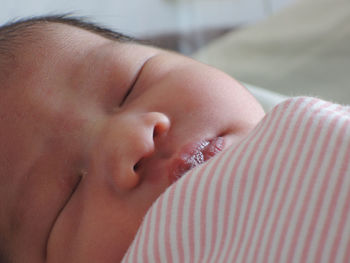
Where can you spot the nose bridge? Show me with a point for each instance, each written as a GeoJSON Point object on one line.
{"type": "Point", "coordinates": [127, 140]}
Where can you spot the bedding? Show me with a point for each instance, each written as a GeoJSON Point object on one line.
{"type": "Point", "coordinates": [302, 50]}
{"type": "Point", "coordinates": [280, 195]}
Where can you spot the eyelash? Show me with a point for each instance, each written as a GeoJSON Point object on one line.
{"type": "Point", "coordinates": [75, 187]}
{"type": "Point", "coordinates": [127, 93]}
{"type": "Point", "coordinates": [134, 82]}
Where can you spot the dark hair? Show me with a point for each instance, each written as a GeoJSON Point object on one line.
{"type": "Point", "coordinates": [3, 257]}
{"type": "Point", "coordinates": [15, 28]}
{"type": "Point", "coordinates": [16, 33]}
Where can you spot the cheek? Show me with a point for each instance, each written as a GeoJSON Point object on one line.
{"type": "Point", "coordinates": [96, 226]}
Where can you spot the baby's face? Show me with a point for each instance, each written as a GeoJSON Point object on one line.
{"type": "Point", "coordinates": [93, 131]}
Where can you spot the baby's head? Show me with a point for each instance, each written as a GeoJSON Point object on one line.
{"type": "Point", "coordinates": [94, 127]}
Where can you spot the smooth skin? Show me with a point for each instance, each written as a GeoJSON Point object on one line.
{"type": "Point", "coordinates": [89, 129]}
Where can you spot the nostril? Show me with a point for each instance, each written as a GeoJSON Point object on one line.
{"type": "Point", "coordinates": [137, 165]}
{"type": "Point", "coordinates": [159, 129]}
{"type": "Point", "coordinates": [155, 131]}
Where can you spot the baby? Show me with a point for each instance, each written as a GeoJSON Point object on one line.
{"type": "Point", "coordinates": [94, 128]}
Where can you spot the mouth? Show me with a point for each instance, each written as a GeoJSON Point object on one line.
{"type": "Point", "coordinates": [193, 155]}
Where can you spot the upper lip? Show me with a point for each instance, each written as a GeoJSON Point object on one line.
{"type": "Point", "coordinates": [194, 154]}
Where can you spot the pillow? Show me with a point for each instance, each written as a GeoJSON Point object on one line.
{"type": "Point", "coordinates": [281, 195]}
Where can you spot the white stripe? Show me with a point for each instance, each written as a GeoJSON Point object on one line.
{"type": "Point", "coordinates": [330, 188]}
{"type": "Point", "coordinates": [291, 192]}
{"type": "Point", "coordinates": [141, 243]}
{"type": "Point", "coordinates": [341, 201]}
{"type": "Point", "coordinates": [284, 180]}
{"type": "Point", "coordinates": [225, 184]}
{"type": "Point", "coordinates": [210, 209]}
{"type": "Point", "coordinates": [345, 238]}
{"type": "Point", "coordinates": [265, 134]}
{"type": "Point", "coordinates": [309, 212]}
{"type": "Point", "coordinates": [173, 222]}
{"type": "Point", "coordinates": [211, 205]}
{"type": "Point", "coordinates": [345, 233]}
{"type": "Point", "coordinates": [186, 215]}
{"type": "Point", "coordinates": [162, 228]}
{"type": "Point", "coordinates": [305, 188]}
{"type": "Point", "coordinates": [152, 228]}
{"type": "Point", "coordinates": [258, 195]}
{"type": "Point", "coordinates": [197, 213]}
{"type": "Point", "coordinates": [222, 213]}
{"type": "Point", "coordinates": [296, 112]}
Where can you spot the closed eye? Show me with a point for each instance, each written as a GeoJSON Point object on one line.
{"type": "Point", "coordinates": [128, 93]}
{"type": "Point", "coordinates": [134, 82]}
{"type": "Point", "coordinates": [76, 186]}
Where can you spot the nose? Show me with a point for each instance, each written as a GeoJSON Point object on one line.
{"type": "Point", "coordinates": [124, 141]}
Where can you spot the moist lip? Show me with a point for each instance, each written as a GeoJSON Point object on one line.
{"type": "Point", "coordinates": [194, 154]}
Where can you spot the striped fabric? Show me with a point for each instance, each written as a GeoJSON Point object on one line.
{"type": "Point", "coordinates": [281, 195]}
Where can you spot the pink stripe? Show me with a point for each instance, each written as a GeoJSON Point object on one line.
{"type": "Point", "coordinates": [285, 228]}
{"type": "Point", "coordinates": [281, 173]}
{"type": "Point", "coordinates": [261, 199]}
{"type": "Point", "coordinates": [185, 189]}
{"type": "Point", "coordinates": [323, 147]}
{"type": "Point", "coordinates": [187, 182]}
{"type": "Point", "coordinates": [167, 228]}
{"type": "Point", "coordinates": [347, 252]}
{"type": "Point", "coordinates": [157, 238]}
{"type": "Point", "coordinates": [305, 202]}
{"type": "Point", "coordinates": [291, 208]}
{"type": "Point", "coordinates": [213, 171]}
{"type": "Point", "coordinates": [335, 196]}
{"type": "Point", "coordinates": [193, 203]}
{"type": "Point", "coordinates": [181, 218]}
{"type": "Point", "coordinates": [340, 230]}
{"type": "Point", "coordinates": [318, 206]}
{"type": "Point", "coordinates": [345, 209]}
{"type": "Point", "coordinates": [146, 227]}
{"type": "Point", "coordinates": [203, 208]}
{"type": "Point", "coordinates": [218, 194]}
{"type": "Point", "coordinates": [137, 245]}
{"type": "Point", "coordinates": [254, 188]}
{"type": "Point", "coordinates": [255, 147]}
{"type": "Point", "coordinates": [230, 186]}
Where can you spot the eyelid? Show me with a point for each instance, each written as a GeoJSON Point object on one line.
{"type": "Point", "coordinates": [135, 81]}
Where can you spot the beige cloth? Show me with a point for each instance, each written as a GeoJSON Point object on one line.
{"type": "Point", "coordinates": [303, 50]}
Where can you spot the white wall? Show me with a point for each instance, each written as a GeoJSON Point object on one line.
{"type": "Point", "coordinates": [141, 17]}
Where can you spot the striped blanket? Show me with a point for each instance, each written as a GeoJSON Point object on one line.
{"type": "Point", "coordinates": [280, 195]}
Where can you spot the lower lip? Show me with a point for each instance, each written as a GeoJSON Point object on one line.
{"type": "Point", "coordinates": [194, 154]}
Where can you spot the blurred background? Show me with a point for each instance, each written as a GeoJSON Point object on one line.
{"type": "Point", "coordinates": [183, 25]}
{"type": "Point", "coordinates": [289, 47]}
